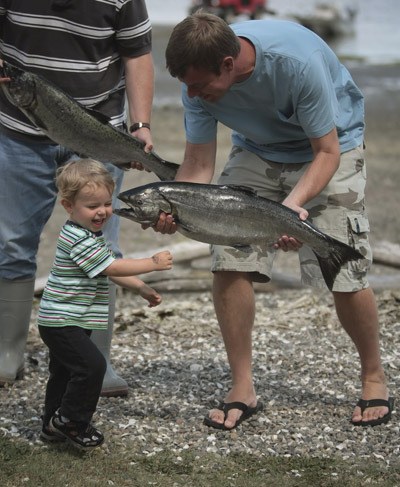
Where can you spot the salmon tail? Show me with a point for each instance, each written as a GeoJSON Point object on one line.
{"type": "Point", "coordinates": [339, 255]}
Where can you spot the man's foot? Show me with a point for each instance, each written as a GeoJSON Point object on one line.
{"type": "Point", "coordinates": [228, 417]}
{"type": "Point", "coordinates": [247, 412]}
{"type": "Point", "coordinates": [367, 414]}
{"type": "Point", "coordinates": [363, 405]}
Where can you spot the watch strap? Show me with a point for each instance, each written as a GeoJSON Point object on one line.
{"type": "Point", "coordinates": [138, 125]}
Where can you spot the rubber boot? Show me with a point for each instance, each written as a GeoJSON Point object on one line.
{"type": "Point", "coordinates": [113, 385]}
{"type": "Point", "coordinates": [16, 298]}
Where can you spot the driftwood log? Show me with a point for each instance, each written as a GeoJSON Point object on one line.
{"type": "Point", "coordinates": [387, 253]}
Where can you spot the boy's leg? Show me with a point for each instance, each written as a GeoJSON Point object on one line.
{"type": "Point", "coordinates": [77, 354]}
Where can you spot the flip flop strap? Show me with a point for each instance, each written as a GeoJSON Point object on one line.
{"type": "Point", "coordinates": [234, 405]}
{"type": "Point", "coordinates": [372, 403]}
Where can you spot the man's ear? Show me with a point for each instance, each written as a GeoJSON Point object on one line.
{"type": "Point", "coordinates": [227, 63]}
{"type": "Point", "coordinates": [67, 205]}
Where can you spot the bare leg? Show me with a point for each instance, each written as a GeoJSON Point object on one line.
{"type": "Point", "coordinates": [235, 309]}
{"type": "Point", "coordinates": [358, 315]}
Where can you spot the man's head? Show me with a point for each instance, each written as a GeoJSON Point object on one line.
{"type": "Point", "coordinates": [201, 41]}
{"type": "Point", "coordinates": [201, 53]}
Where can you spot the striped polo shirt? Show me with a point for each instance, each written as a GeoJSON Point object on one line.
{"type": "Point", "coordinates": [76, 293]}
{"type": "Point", "coordinates": [77, 45]}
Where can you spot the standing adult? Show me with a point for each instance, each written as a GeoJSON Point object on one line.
{"type": "Point", "coordinates": [298, 130]}
{"type": "Point", "coordinates": [99, 52]}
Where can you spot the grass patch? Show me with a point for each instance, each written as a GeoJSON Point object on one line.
{"type": "Point", "coordinates": [26, 465]}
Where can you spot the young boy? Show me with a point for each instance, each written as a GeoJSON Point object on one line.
{"type": "Point", "coordinates": [75, 302]}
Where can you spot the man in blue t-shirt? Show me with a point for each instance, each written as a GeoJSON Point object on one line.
{"type": "Point", "coordinates": [297, 121]}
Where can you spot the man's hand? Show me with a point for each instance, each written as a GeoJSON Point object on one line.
{"type": "Point", "coordinates": [165, 224]}
{"type": "Point", "coordinates": [287, 243]}
{"type": "Point", "coordinates": [144, 135]}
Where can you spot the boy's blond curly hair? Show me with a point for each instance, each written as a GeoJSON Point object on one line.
{"type": "Point", "coordinates": [72, 177]}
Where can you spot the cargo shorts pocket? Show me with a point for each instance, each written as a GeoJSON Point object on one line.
{"type": "Point", "coordinates": [358, 230]}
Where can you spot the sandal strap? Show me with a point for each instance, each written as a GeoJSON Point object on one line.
{"type": "Point", "coordinates": [234, 405]}
{"type": "Point", "coordinates": [372, 403]}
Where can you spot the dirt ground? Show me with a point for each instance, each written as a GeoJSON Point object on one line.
{"type": "Point", "coordinates": [382, 155]}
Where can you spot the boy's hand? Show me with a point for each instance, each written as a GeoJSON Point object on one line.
{"type": "Point", "coordinates": [162, 260]}
{"type": "Point", "coordinates": [150, 294]}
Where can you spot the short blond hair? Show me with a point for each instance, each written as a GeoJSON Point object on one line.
{"type": "Point", "coordinates": [74, 175]}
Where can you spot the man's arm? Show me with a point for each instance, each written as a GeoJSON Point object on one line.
{"type": "Point", "coordinates": [198, 163]}
{"type": "Point", "coordinates": [324, 165]}
{"type": "Point", "coordinates": [326, 161]}
{"type": "Point", "coordinates": [139, 73]}
{"type": "Point", "coordinates": [198, 166]}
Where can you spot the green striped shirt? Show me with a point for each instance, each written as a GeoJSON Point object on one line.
{"type": "Point", "coordinates": [76, 293]}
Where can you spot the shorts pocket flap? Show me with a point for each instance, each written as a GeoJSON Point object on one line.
{"type": "Point", "coordinates": [358, 223]}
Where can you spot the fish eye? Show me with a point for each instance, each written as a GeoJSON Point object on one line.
{"type": "Point", "coordinates": [139, 202]}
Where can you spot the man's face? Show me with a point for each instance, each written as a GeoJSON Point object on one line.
{"type": "Point", "coordinates": [208, 85]}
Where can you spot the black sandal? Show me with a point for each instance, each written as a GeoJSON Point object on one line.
{"type": "Point", "coordinates": [363, 404]}
{"type": "Point", "coordinates": [247, 412]}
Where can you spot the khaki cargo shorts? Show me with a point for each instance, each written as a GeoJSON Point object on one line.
{"type": "Point", "coordinates": [338, 211]}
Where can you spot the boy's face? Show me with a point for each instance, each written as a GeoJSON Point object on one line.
{"type": "Point", "coordinates": [92, 207]}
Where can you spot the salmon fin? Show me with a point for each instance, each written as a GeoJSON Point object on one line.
{"type": "Point", "coordinates": [339, 255]}
{"type": "Point", "coordinates": [171, 165]}
{"type": "Point", "coordinates": [97, 115]}
{"type": "Point", "coordinates": [247, 249]}
{"type": "Point", "coordinates": [245, 189]}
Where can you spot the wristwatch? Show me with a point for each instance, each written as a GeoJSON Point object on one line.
{"type": "Point", "coordinates": [139, 125]}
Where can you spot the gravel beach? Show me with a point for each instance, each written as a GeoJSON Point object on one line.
{"type": "Point", "coordinates": [306, 374]}
{"type": "Point", "coordinates": [306, 368]}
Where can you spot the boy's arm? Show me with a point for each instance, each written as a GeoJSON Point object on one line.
{"type": "Point", "coordinates": [129, 282]}
{"type": "Point", "coordinates": [138, 286]}
{"type": "Point", "coordinates": [131, 267]}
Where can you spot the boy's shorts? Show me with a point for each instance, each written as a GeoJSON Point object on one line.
{"type": "Point", "coordinates": [339, 211]}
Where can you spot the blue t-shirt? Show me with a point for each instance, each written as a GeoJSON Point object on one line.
{"type": "Point", "coordinates": [297, 91]}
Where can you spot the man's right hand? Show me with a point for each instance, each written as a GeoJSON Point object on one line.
{"type": "Point", "coordinates": [165, 224]}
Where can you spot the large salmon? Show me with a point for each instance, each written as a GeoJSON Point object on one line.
{"type": "Point", "coordinates": [69, 124]}
{"type": "Point", "coordinates": [233, 216]}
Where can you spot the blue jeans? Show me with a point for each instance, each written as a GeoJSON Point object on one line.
{"type": "Point", "coordinates": [27, 198]}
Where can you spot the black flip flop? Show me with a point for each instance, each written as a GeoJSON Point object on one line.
{"type": "Point", "coordinates": [364, 404]}
{"type": "Point", "coordinates": [247, 412]}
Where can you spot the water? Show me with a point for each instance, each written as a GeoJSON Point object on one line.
{"type": "Point", "coordinates": [376, 38]}
{"type": "Point", "coordinates": [374, 41]}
